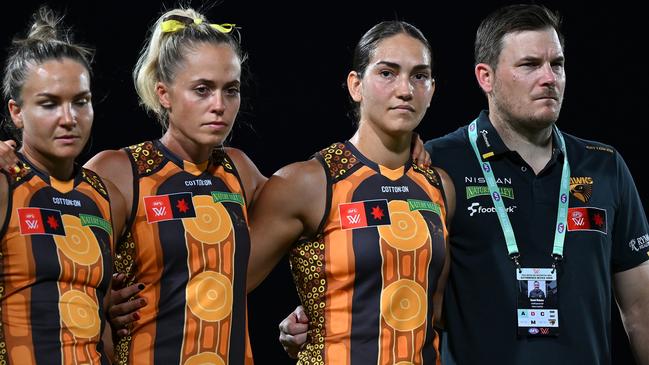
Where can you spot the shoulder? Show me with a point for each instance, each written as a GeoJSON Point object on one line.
{"type": "Point", "coordinates": [114, 167]}
{"type": "Point", "coordinates": [587, 155]}
{"type": "Point", "coordinates": [302, 173]}
{"type": "Point", "coordinates": [449, 191]}
{"type": "Point", "coordinates": [299, 182]}
{"type": "Point", "coordinates": [447, 145]}
{"type": "Point", "coordinates": [581, 146]}
{"type": "Point", "coordinates": [108, 160]}
{"type": "Point", "coordinates": [251, 178]}
{"type": "Point", "coordinates": [240, 159]}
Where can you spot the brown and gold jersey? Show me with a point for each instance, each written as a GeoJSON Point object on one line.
{"type": "Point", "coordinates": [55, 268]}
{"type": "Point", "coordinates": [189, 244]}
{"type": "Point", "coordinates": [368, 277]}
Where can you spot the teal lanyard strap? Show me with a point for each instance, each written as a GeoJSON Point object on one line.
{"type": "Point", "coordinates": [494, 192]}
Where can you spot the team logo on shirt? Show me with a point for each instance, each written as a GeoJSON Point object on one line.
{"type": "Point", "coordinates": [167, 207]}
{"type": "Point", "coordinates": [581, 188]}
{"type": "Point", "coordinates": [40, 221]}
{"type": "Point", "coordinates": [587, 219]}
{"type": "Point", "coordinates": [639, 243]}
{"type": "Point", "coordinates": [367, 213]}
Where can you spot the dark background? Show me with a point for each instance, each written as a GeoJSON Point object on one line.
{"type": "Point", "coordinates": [293, 103]}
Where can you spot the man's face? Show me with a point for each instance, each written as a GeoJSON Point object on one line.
{"type": "Point", "coordinates": [536, 285]}
{"type": "Point", "coordinates": [530, 79]}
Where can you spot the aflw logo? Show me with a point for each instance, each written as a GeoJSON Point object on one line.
{"type": "Point", "coordinates": [31, 223]}
{"type": "Point", "coordinates": [354, 219]}
{"type": "Point", "coordinates": [578, 218]}
{"type": "Point", "coordinates": [159, 211]}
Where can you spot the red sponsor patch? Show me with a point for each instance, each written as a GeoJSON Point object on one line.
{"type": "Point", "coordinates": [587, 219]}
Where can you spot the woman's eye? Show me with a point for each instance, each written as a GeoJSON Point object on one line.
{"type": "Point", "coordinates": [202, 90]}
{"type": "Point", "coordinates": [82, 101]}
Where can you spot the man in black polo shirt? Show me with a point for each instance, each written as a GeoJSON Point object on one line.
{"type": "Point", "coordinates": [523, 214]}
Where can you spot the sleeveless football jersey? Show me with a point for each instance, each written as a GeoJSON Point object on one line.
{"type": "Point", "coordinates": [367, 278]}
{"type": "Point", "coordinates": [55, 268]}
{"type": "Point", "coordinates": [189, 244]}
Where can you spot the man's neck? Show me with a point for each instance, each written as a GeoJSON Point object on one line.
{"type": "Point", "coordinates": [533, 145]}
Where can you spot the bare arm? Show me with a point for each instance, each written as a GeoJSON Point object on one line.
{"type": "Point", "coordinates": [290, 206]}
{"type": "Point", "coordinates": [632, 294]}
{"type": "Point", "coordinates": [115, 169]}
{"type": "Point", "coordinates": [438, 296]}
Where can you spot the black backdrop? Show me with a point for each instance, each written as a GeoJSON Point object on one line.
{"type": "Point", "coordinates": [294, 104]}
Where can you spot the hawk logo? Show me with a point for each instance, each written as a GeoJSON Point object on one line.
{"type": "Point", "coordinates": [581, 188]}
{"type": "Point", "coordinates": [167, 207]}
{"type": "Point", "coordinates": [368, 213]}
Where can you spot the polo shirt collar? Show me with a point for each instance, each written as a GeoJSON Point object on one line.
{"type": "Point", "coordinates": [490, 145]}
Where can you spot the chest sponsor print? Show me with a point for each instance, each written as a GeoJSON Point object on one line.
{"type": "Point", "coordinates": [587, 219]}
{"type": "Point", "coordinates": [167, 207]}
{"type": "Point", "coordinates": [367, 213]}
{"type": "Point", "coordinates": [473, 191]}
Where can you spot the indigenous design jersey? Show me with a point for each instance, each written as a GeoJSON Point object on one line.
{"type": "Point", "coordinates": [189, 244]}
{"type": "Point", "coordinates": [367, 279]}
{"type": "Point", "coordinates": [606, 233]}
{"type": "Point", "coordinates": [55, 268]}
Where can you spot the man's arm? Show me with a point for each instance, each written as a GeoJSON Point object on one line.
{"type": "Point", "coordinates": [632, 294]}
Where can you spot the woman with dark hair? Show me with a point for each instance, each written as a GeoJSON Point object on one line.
{"type": "Point", "coordinates": [366, 228]}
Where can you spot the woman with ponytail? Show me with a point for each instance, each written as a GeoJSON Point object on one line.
{"type": "Point", "coordinates": [186, 250]}
{"type": "Point", "coordinates": [58, 222]}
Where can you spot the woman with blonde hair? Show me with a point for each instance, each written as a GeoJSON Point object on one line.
{"type": "Point", "coordinates": [187, 244]}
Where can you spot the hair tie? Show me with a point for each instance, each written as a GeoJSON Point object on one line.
{"type": "Point", "coordinates": [173, 25]}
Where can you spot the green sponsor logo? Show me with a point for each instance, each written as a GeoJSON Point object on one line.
{"type": "Point", "coordinates": [480, 190]}
{"type": "Point", "coordinates": [414, 204]}
{"type": "Point", "coordinates": [222, 196]}
{"type": "Point", "coordinates": [94, 221]}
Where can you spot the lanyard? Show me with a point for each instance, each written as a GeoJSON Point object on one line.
{"type": "Point", "coordinates": [494, 192]}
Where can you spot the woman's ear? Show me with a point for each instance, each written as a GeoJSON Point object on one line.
{"type": "Point", "coordinates": [354, 82]}
{"type": "Point", "coordinates": [16, 113]}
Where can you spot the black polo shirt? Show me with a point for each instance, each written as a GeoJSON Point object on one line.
{"type": "Point", "coordinates": [607, 233]}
